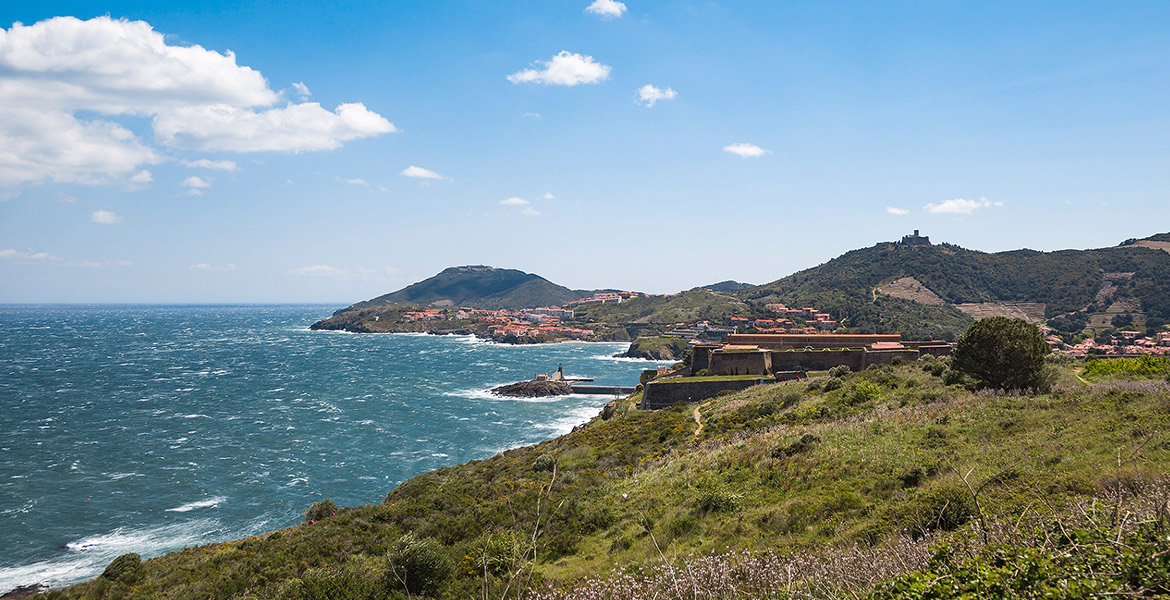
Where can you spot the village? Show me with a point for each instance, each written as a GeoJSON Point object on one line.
{"type": "Point", "coordinates": [1118, 343]}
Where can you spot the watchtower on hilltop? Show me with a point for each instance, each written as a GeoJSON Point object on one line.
{"type": "Point", "coordinates": [915, 240]}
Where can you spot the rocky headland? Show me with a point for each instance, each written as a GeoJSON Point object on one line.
{"type": "Point", "coordinates": [534, 389]}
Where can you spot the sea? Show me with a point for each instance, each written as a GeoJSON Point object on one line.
{"type": "Point", "coordinates": [152, 428]}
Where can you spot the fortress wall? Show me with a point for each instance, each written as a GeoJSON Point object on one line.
{"type": "Point", "coordinates": [740, 363]}
{"type": "Point", "coordinates": [663, 395]}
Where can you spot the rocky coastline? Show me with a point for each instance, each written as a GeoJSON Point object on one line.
{"type": "Point", "coordinates": [533, 389]}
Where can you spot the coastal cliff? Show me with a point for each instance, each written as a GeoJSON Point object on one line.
{"type": "Point", "coordinates": [867, 471]}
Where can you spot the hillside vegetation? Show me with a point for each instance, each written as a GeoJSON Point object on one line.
{"type": "Point", "coordinates": [872, 473]}
{"type": "Point", "coordinates": [1066, 281]}
{"type": "Point", "coordinates": [684, 307]}
{"type": "Point", "coordinates": [478, 286]}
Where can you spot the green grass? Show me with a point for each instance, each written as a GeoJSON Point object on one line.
{"type": "Point", "coordinates": [775, 468]}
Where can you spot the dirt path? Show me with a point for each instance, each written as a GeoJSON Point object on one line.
{"type": "Point", "coordinates": [698, 418]}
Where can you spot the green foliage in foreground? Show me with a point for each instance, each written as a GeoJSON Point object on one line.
{"type": "Point", "coordinates": [788, 466]}
{"type": "Point", "coordinates": [1059, 564]}
{"type": "Point", "coordinates": [1143, 367]}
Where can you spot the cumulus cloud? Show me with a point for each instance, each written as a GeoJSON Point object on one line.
{"type": "Point", "coordinates": [62, 77]}
{"type": "Point", "coordinates": [514, 201]}
{"type": "Point", "coordinates": [548, 196]}
{"type": "Point", "coordinates": [294, 128]}
{"type": "Point", "coordinates": [528, 210]}
{"type": "Point", "coordinates": [105, 217]}
{"type": "Point", "coordinates": [302, 90]}
{"type": "Point", "coordinates": [648, 95]}
{"type": "Point", "coordinates": [142, 176]}
{"type": "Point", "coordinates": [745, 150]}
{"type": "Point", "coordinates": [196, 182]}
{"type": "Point", "coordinates": [606, 9]}
{"type": "Point", "coordinates": [210, 267]}
{"type": "Point", "coordinates": [354, 181]}
{"type": "Point", "coordinates": [960, 206]}
{"type": "Point", "coordinates": [897, 211]}
{"type": "Point", "coordinates": [28, 256]}
{"type": "Point", "coordinates": [566, 68]}
{"type": "Point", "coordinates": [420, 173]}
{"type": "Point", "coordinates": [215, 165]}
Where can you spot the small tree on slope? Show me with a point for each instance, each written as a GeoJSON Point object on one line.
{"type": "Point", "coordinates": [1002, 353]}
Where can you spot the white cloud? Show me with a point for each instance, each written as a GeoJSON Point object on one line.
{"type": "Point", "coordinates": [420, 173]}
{"type": "Point", "coordinates": [528, 210]}
{"type": "Point", "coordinates": [302, 90]}
{"type": "Point", "coordinates": [142, 176]}
{"type": "Point", "coordinates": [105, 217]}
{"type": "Point", "coordinates": [318, 271]}
{"type": "Point", "coordinates": [531, 115]}
{"type": "Point", "coordinates": [566, 68]}
{"type": "Point", "coordinates": [354, 181]}
{"type": "Point", "coordinates": [745, 150]}
{"type": "Point", "coordinates": [294, 128]}
{"type": "Point", "coordinates": [648, 94]}
{"type": "Point", "coordinates": [210, 267]}
{"type": "Point", "coordinates": [215, 165]}
{"type": "Point", "coordinates": [548, 196]}
{"type": "Point", "coordinates": [897, 211]}
{"type": "Point", "coordinates": [196, 182]}
{"type": "Point", "coordinates": [960, 206]}
{"type": "Point", "coordinates": [13, 254]}
{"type": "Point", "coordinates": [56, 70]}
{"type": "Point", "coordinates": [514, 201]}
{"type": "Point", "coordinates": [608, 9]}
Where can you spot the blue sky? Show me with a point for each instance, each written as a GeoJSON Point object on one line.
{"type": "Point", "coordinates": [141, 162]}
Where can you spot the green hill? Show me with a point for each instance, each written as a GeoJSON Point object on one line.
{"type": "Point", "coordinates": [781, 487]}
{"type": "Point", "coordinates": [1066, 281]}
{"type": "Point", "coordinates": [478, 286]}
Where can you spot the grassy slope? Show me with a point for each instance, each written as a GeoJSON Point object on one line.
{"type": "Point", "coordinates": [777, 466]}
{"type": "Point", "coordinates": [684, 307]}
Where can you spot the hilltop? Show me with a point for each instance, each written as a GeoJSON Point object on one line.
{"type": "Point", "coordinates": [864, 474]}
{"type": "Point", "coordinates": [479, 286]}
{"type": "Point", "coordinates": [936, 290]}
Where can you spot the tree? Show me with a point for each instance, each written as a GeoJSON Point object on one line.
{"type": "Point", "coordinates": [1002, 353]}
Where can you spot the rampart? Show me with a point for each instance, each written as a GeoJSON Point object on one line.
{"type": "Point", "coordinates": [784, 341]}
{"type": "Point", "coordinates": [662, 394]}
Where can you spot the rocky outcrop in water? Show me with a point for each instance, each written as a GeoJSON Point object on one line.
{"type": "Point", "coordinates": [534, 389]}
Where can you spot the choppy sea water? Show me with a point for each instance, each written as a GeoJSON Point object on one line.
{"type": "Point", "coordinates": [151, 428]}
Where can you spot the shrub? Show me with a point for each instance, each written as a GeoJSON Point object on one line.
{"type": "Point", "coordinates": [1002, 353]}
{"type": "Point", "coordinates": [544, 462]}
{"type": "Point", "coordinates": [863, 392]}
{"type": "Point", "coordinates": [126, 569]}
{"type": "Point", "coordinates": [833, 383]}
{"type": "Point", "coordinates": [320, 510]}
{"type": "Point", "coordinates": [839, 371]}
{"type": "Point", "coordinates": [417, 565]}
{"type": "Point", "coordinates": [353, 580]}
{"type": "Point", "coordinates": [944, 507]}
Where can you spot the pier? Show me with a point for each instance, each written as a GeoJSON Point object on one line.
{"type": "Point", "coordinates": [602, 390]}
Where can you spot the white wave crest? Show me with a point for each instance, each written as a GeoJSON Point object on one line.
{"type": "Point", "coordinates": [86, 557]}
{"type": "Point", "coordinates": [216, 501]}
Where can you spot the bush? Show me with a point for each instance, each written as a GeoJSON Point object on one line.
{"type": "Point", "coordinates": [544, 462]}
{"type": "Point", "coordinates": [863, 392]}
{"type": "Point", "coordinates": [126, 569]}
{"type": "Point", "coordinates": [418, 565]}
{"type": "Point", "coordinates": [833, 383]}
{"type": "Point", "coordinates": [944, 507]}
{"type": "Point", "coordinates": [1002, 353]}
{"type": "Point", "coordinates": [839, 371]}
{"type": "Point", "coordinates": [320, 510]}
